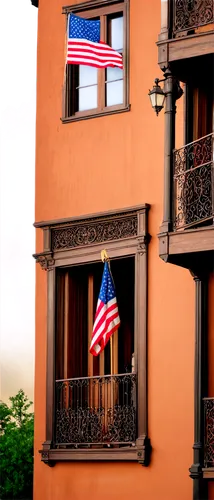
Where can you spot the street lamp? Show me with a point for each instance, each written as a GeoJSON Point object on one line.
{"type": "Point", "coordinates": [157, 96]}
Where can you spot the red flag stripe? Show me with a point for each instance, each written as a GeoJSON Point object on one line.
{"type": "Point", "coordinates": [105, 326]}
{"type": "Point", "coordinates": [93, 47]}
{"type": "Point", "coordinates": [106, 323]}
{"type": "Point", "coordinates": [101, 315]}
{"type": "Point", "coordinates": [100, 306]}
{"type": "Point", "coordinates": [91, 55]}
{"type": "Point", "coordinates": [103, 319]}
{"type": "Point", "coordinates": [81, 59]}
{"type": "Point", "coordinates": [101, 340]}
{"type": "Point", "coordinates": [107, 318]}
{"type": "Point", "coordinates": [99, 55]}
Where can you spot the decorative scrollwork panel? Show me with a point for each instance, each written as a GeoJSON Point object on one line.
{"type": "Point", "coordinates": [193, 183]}
{"type": "Point", "coordinates": [209, 432]}
{"type": "Point", "coordinates": [96, 410]}
{"type": "Point", "coordinates": [94, 232]}
{"type": "Point", "coordinates": [190, 14]}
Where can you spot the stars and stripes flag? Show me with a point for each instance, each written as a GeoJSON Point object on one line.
{"type": "Point", "coordinates": [84, 45]}
{"type": "Point", "coordinates": [107, 318]}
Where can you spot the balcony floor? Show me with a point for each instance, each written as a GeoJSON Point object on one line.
{"type": "Point", "coordinates": [208, 473]}
{"type": "Point", "coordinates": [186, 47]}
{"type": "Point", "coordinates": [184, 246]}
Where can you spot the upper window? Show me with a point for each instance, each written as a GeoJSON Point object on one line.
{"type": "Point", "coordinates": [91, 91]}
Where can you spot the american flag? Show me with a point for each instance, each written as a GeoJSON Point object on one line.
{"type": "Point", "coordinates": [107, 318]}
{"type": "Point", "coordinates": [84, 45]}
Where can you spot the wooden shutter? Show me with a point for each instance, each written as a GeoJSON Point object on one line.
{"type": "Point", "coordinates": [59, 346]}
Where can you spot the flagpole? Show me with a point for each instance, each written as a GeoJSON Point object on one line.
{"type": "Point", "coordinates": [105, 258]}
{"type": "Point", "coordinates": [113, 349]}
{"type": "Point", "coordinates": [65, 76]}
{"type": "Point", "coordinates": [111, 356]}
{"type": "Point", "coordinates": [113, 341]}
{"type": "Point", "coordinates": [111, 370]}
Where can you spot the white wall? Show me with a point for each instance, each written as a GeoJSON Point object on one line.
{"type": "Point", "coordinates": [16, 247]}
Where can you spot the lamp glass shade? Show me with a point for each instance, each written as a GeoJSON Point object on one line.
{"type": "Point", "coordinates": [157, 98]}
{"type": "Point", "coordinates": [160, 99]}
{"type": "Point", "coordinates": [153, 99]}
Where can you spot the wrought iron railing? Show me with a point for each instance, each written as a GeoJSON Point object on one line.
{"type": "Point", "coordinates": [194, 183]}
{"type": "Point", "coordinates": [209, 432]}
{"type": "Point", "coordinates": [96, 411]}
{"type": "Point", "coordinates": [191, 14]}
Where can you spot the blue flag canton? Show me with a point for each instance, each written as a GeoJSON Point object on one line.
{"type": "Point", "coordinates": [83, 28]}
{"type": "Point", "coordinates": [107, 290]}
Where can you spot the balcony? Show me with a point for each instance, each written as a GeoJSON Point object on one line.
{"type": "Point", "coordinates": [208, 470]}
{"type": "Point", "coordinates": [96, 412]}
{"type": "Point", "coordinates": [192, 234]}
{"type": "Point", "coordinates": [187, 29]}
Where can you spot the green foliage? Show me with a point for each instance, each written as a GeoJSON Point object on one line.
{"type": "Point", "coordinates": [16, 448]}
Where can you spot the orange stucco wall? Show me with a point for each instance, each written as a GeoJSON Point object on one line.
{"type": "Point", "coordinates": [96, 165]}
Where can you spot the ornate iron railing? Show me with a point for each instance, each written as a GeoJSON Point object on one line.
{"type": "Point", "coordinates": [190, 14]}
{"type": "Point", "coordinates": [96, 411]}
{"type": "Point", "coordinates": [194, 183]}
{"type": "Point", "coordinates": [209, 432]}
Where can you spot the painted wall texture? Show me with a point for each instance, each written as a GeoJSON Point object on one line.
{"type": "Point", "coordinates": [16, 248]}
{"type": "Point", "coordinates": [97, 165]}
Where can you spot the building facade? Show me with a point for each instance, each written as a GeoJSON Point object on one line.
{"type": "Point", "coordinates": [138, 420]}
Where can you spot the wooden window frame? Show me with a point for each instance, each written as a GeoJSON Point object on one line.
{"type": "Point", "coordinates": [67, 242]}
{"type": "Point", "coordinates": [95, 8]}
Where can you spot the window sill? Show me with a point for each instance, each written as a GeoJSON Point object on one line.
{"type": "Point", "coordinates": [96, 114]}
{"type": "Point", "coordinates": [139, 453]}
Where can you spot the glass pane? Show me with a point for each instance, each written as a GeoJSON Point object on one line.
{"type": "Point", "coordinates": [114, 74]}
{"type": "Point", "coordinates": [114, 93]}
{"type": "Point", "coordinates": [117, 33]}
{"type": "Point", "coordinates": [87, 75]}
{"type": "Point", "coordinates": [88, 98]}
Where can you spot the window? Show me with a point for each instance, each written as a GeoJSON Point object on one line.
{"type": "Point", "coordinates": [95, 396]}
{"type": "Point", "coordinates": [89, 91]}
{"type": "Point", "coordinates": [96, 406]}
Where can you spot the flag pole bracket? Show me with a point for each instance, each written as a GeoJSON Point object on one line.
{"type": "Point", "coordinates": [104, 256]}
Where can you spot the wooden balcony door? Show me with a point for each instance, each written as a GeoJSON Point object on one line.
{"type": "Point", "coordinates": [77, 295]}
{"type": "Point", "coordinates": [196, 192]}
{"type": "Point", "coordinates": [199, 109]}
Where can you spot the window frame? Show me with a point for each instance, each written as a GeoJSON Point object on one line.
{"type": "Point", "coordinates": [97, 8]}
{"type": "Point", "coordinates": [130, 238]}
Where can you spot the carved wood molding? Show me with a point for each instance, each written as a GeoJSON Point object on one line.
{"type": "Point", "coordinates": [89, 4]}
{"type": "Point", "coordinates": [139, 454]}
{"type": "Point", "coordinates": [94, 232]}
{"type": "Point", "coordinates": [45, 260]}
{"type": "Point", "coordinates": [143, 450]}
{"type": "Point", "coordinates": [70, 234]}
{"type": "Point", "coordinates": [143, 241]}
{"type": "Point", "coordinates": [45, 458]}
